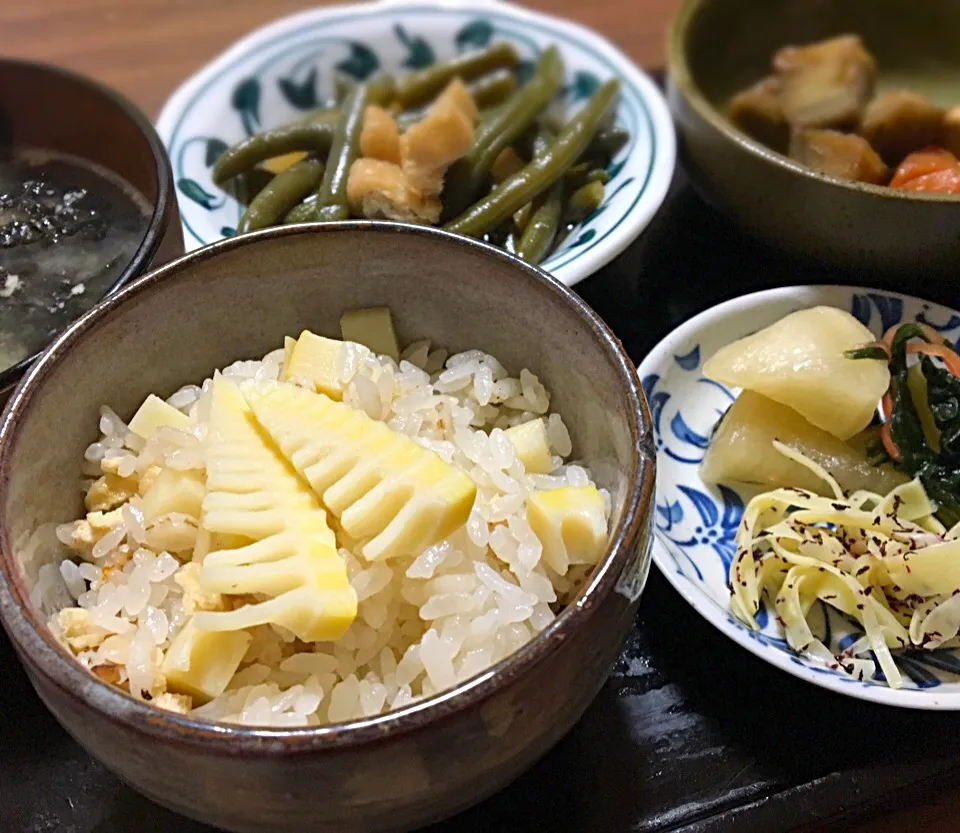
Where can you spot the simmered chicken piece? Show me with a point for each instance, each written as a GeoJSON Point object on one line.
{"type": "Point", "coordinates": [826, 84]}
{"type": "Point", "coordinates": [843, 155]}
{"type": "Point", "coordinates": [899, 123]}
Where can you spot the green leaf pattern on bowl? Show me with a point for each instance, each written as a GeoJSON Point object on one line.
{"type": "Point", "coordinates": [420, 53]}
{"type": "Point", "coordinates": [361, 63]}
{"type": "Point", "coordinates": [215, 148]}
{"type": "Point", "coordinates": [279, 83]}
{"type": "Point", "coordinates": [246, 101]}
{"type": "Point", "coordinates": [301, 94]}
{"type": "Point", "coordinates": [193, 190]}
{"type": "Point", "coordinates": [583, 86]}
{"type": "Point", "coordinates": [475, 35]}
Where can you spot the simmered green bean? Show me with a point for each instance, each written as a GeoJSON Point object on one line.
{"type": "Point", "coordinates": [314, 136]}
{"type": "Point", "coordinates": [598, 175]}
{"type": "Point", "coordinates": [540, 232]}
{"type": "Point", "coordinates": [543, 170]}
{"type": "Point", "coordinates": [539, 145]}
{"type": "Point", "coordinates": [493, 89]}
{"type": "Point", "coordinates": [468, 174]}
{"type": "Point", "coordinates": [584, 201]}
{"type": "Point", "coordinates": [246, 186]}
{"type": "Point", "coordinates": [607, 143]}
{"type": "Point", "coordinates": [305, 212]}
{"type": "Point", "coordinates": [332, 194]}
{"type": "Point", "coordinates": [382, 88]}
{"type": "Point", "coordinates": [419, 87]}
{"type": "Point", "coordinates": [521, 217]}
{"type": "Point", "coordinates": [286, 190]}
{"type": "Point", "coordinates": [500, 235]}
{"type": "Point", "coordinates": [584, 172]}
{"type": "Point", "coordinates": [488, 93]}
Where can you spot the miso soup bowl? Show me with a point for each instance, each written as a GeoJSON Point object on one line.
{"type": "Point", "coordinates": [238, 298]}
{"type": "Point", "coordinates": [46, 107]}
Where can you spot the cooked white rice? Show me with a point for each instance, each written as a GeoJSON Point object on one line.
{"type": "Point", "coordinates": [424, 623]}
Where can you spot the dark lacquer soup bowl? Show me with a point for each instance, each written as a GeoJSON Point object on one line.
{"type": "Point", "coordinates": [86, 204]}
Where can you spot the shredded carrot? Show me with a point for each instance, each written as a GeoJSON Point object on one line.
{"type": "Point", "coordinates": [942, 352]}
{"type": "Point", "coordinates": [886, 406]}
{"type": "Point", "coordinates": [887, 439]}
{"type": "Point", "coordinates": [935, 346]}
{"type": "Point", "coordinates": [931, 334]}
{"type": "Point", "coordinates": [886, 436]}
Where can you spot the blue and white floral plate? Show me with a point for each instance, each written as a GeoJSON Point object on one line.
{"type": "Point", "coordinates": [283, 69]}
{"type": "Point", "coordinates": [696, 522]}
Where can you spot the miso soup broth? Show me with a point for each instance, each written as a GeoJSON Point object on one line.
{"type": "Point", "coordinates": [68, 229]}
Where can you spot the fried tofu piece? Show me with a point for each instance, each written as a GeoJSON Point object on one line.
{"type": "Point", "coordinates": [381, 189]}
{"type": "Point", "coordinates": [77, 631]}
{"type": "Point", "coordinates": [110, 491]}
{"type": "Point", "coordinates": [380, 136]}
{"type": "Point", "coordinates": [825, 84]}
{"type": "Point", "coordinates": [441, 137]}
{"type": "Point", "coordinates": [758, 113]}
{"type": "Point", "coordinates": [898, 123]}
{"type": "Point", "coordinates": [179, 703]}
{"type": "Point", "coordinates": [950, 131]}
{"type": "Point", "coordinates": [842, 155]}
{"type": "Point", "coordinates": [86, 532]}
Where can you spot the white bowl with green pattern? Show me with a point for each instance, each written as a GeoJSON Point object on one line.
{"type": "Point", "coordinates": [285, 68]}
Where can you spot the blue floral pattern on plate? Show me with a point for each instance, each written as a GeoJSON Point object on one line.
{"type": "Point", "coordinates": [696, 523]}
{"type": "Point", "coordinates": [275, 79]}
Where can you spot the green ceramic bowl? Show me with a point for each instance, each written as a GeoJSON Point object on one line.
{"type": "Point", "coordinates": [718, 47]}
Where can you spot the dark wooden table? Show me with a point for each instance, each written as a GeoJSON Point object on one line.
{"type": "Point", "coordinates": [679, 745]}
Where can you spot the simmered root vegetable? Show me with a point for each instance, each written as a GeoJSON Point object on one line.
{"type": "Point", "coordinates": [826, 84]}
{"type": "Point", "coordinates": [742, 451]}
{"type": "Point", "coordinates": [931, 171]}
{"type": "Point", "coordinates": [898, 123]}
{"type": "Point", "coordinates": [818, 107]}
{"type": "Point", "coordinates": [434, 147]}
{"type": "Point", "coordinates": [951, 131]}
{"type": "Point", "coordinates": [757, 111]}
{"type": "Point", "coordinates": [843, 155]}
{"type": "Point", "coordinates": [799, 362]}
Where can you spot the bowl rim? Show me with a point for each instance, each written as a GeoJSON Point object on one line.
{"type": "Point", "coordinates": [154, 235]}
{"type": "Point", "coordinates": [34, 640]}
{"type": "Point", "coordinates": [693, 594]}
{"type": "Point", "coordinates": [681, 75]}
{"type": "Point", "coordinates": [575, 268]}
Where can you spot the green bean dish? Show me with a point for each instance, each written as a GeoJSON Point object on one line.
{"type": "Point", "coordinates": [466, 145]}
